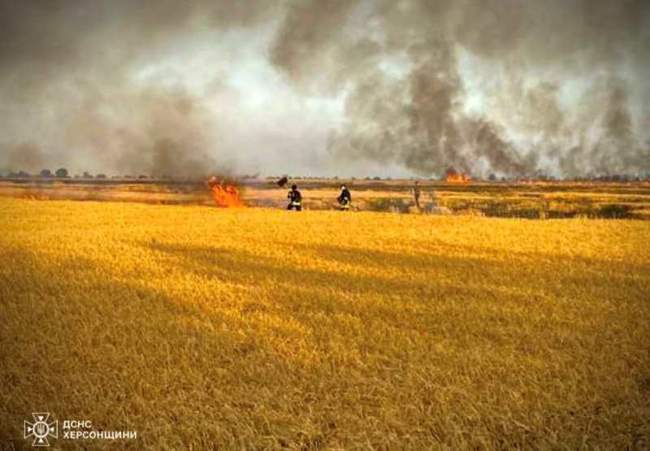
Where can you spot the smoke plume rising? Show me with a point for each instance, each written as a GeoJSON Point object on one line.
{"type": "Point", "coordinates": [415, 112]}
{"type": "Point", "coordinates": [511, 87]}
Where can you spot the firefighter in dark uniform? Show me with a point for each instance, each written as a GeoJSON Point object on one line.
{"type": "Point", "coordinates": [344, 199]}
{"type": "Point", "coordinates": [295, 199]}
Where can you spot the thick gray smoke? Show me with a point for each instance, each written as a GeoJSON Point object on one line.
{"type": "Point", "coordinates": [495, 86]}
{"type": "Point", "coordinates": [408, 94]}
{"type": "Point", "coordinates": [70, 93]}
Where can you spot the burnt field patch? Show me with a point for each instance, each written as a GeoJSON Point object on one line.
{"type": "Point", "coordinates": [541, 200]}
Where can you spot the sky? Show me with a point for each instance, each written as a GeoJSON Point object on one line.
{"type": "Point", "coordinates": [326, 87]}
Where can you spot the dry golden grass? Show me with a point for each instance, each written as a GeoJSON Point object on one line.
{"type": "Point", "coordinates": [253, 328]}
{"type": "Point", "coordinates": [540, 200]}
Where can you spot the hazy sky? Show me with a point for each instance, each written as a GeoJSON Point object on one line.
{"type": "Point", "coordinates": [325, 87]}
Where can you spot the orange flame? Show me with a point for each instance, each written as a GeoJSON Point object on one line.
{"type": "Point", "coordinates": [225, 194]}
{"type": "Point", "coordinates": [453, 176]}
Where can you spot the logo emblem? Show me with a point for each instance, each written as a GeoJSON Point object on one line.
{"type": "Point", "coordinates": [41, 429]}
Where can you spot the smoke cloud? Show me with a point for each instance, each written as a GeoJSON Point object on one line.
{"type": "Point", "coordinates": [73, 89]}
{"type": "Point", "coordinates": [413, 108]}
{"type": "Point", "coordinates": [511, 87]}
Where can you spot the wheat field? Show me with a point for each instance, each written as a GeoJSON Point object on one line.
{"type": "Point", "coordinates": [205, 328]}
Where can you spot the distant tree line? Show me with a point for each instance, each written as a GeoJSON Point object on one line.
{"type": "Point", "coordinates": [62, 173]}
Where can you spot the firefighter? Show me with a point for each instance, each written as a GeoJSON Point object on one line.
{"type": "Point", "coordinates": [344, 198]}
{"type": "Point", "coordinates": [295, 199]}
{"type": "Point", "coordinates": [416, 194]}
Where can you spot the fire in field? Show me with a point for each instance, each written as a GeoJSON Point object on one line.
{"type": "Point", "coordinates": [363, 224]}
{"type": "Point", "coordinates": [225, 194]}
{"type": "Point", "coordinates": [453, 176]}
